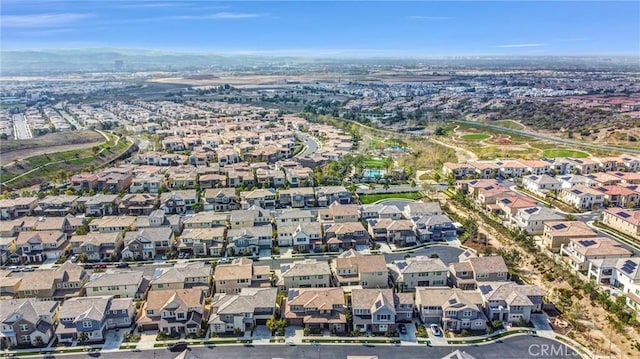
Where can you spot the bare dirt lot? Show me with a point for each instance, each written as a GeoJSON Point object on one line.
{"type": "Point", "coordinates": [12, 150]}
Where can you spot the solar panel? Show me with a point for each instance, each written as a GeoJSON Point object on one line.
{"type": "Point", "coordinates": [531, 210]}
{"type": "Point", "coordinates": [401, 265]}
{"type": "Point", "coordinates": [534, 178]}
{"type": "Point", "coordinates": [623, 214]}
{"type": "Point", "coordinates": [453, 301]}
{"type": "Point", "coordinates": [576, 191]}
{"type": "Point", "coordinates": [630, 263]}
{"type": "Point", "coordinates": [484, 289]}
{"type": "Point", "coordinates": [505, 200]}
{"type": "Point", "coordinates": [559, 226]}
{"type": "Point", "coordinates": [587, 243]}
{"type": "Point", "coordinates": [627, 270]}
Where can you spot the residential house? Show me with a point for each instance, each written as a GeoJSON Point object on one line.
{"type": "Point", "coordinates": [378, 310]}
{"type": "Point", "coordinates": [345, 235]}
{"type": "Point", "coordinates": [93, 316]}
{"type": "Point", "coordinates": [329, 194]}
{"type": "Point", "coordinates": [622, 220]}
{"type": "Point", "coordinates": [434, 228]}
{"type": "Point", "coordinates": [558, 233]}
{"type": "Point", "coordinates": [339, 213]}
{"type": "Point", "coordinates": [173, 311]}
{"type": "Point", "coordinates": [254, 216]}
{"type": "Point", "coordinates": [470, 272]}
{"type": "Point", "coordinates": [98, 246]}
{"type": "Point", "coordinates": [620, 273]}
{"type": "Point", "coordinates": [619, 196]}
{"type": "Point", "coordinates": [532, 219]}
{"type": "Point", "coordinates": [535, 167]}
{"type": "Point", "coordinates": [302, 237]}
{"type": "Point", "coordinates": [28, 322]}
{"type": "Point", "coordinates": [581, 197]}
{"type": "Point", "coordinates": [114, 180]}
{"type": "Point", "coordinates": [249, 240]}
{"type": "Point", "coordinates": [147, 183]}
{"type": "Point", "coordinates": [56, 206]}
{"type": "Point", "coordinates": [203, 242]}
{"type": "Point", "coordinates": [120, 283]}
{"type": "Point", "coordinates": [206, 220]}
{"type": "Point", "coordinates": [307, 273]}
{"type": "Point", "coordinates": [511, 302]}
{"type": "Point", "coordinates": [418, 271]}
{"type": "Point", "coordinates": [84, 181]}
{"type": "Point", "coordinates": [38, 246]}
{"type": "Point", "coordinates": [243, 311]}
{"type": "Point", "coordinates": [399, 232]}
{"type": "Point", "coordinates": [302, 197]}
{"type": "Point", "coordinates": [99, 205]}
{"type": "Point", "coordinates": [240, 273]}
{"type": "Point", "coordinates": [221, 199]}
{"type": "Point", "coordinates": [316, 309]}
{"type": "Point", "coordinates": [351, 268]}
{"type": "Point", "coordinates": [146, 243]}
{"type": "Point", "coordinates": [293, 217]}
{"type": "Point", "coordinates": [457, 170]}
{"type": "Point", "coordinates": [580, 252]}
{"type": "Point", "coordinates": [109, 224]}
{"type": "Point", "coordinates": [212, 180]}
{"type": "Point", "coordinates": [64, 282]}
{"type": "Point", "coordinates": [571, 180]}
{"type": "Point", "coordinates": [381, 211]}
{"type": "Point", "coordinates": [17, 207]}
{"type": "Point", "coordinates": [137, 204]}
{"type": "Point", "coordinates": [263, 198]}
{"type": "Point", "coordinates": [453, 308]}
{"type": "Point", "coordinates": [182, 275]}
{"type": "Point", "coordinates": [269, 178]}
{"type": "Point", "coordinates": [541, 184]}
{"type": "Point", "coordinates": [158, 218]}
{"type": "Point", "coordinates": [422, 209]}
{"type": "Point", "coordinates": [178, 201]}
{"type": "Point", "coordinates": [508, 205]}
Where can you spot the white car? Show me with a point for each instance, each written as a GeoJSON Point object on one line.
{"type": "Point", "coordinates": [436, 330]}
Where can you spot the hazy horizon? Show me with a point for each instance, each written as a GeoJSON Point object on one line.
{"type": "Point", "coordinates": [327, 29]}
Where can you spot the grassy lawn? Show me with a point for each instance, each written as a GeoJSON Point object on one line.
{"type": "Point", "coordinates": [475, 136]}
{"type": "Point", "coordinates": [374, 163]}
{"type": "Point", "coordinates": [371, 198]}
{"type": "Point", "coordinates": [560, 152]}
{"type": "Point", "coordinates": [510, 124]}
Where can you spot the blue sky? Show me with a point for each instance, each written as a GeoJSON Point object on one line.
{"type": "Point", "coordinates": [330, 28]}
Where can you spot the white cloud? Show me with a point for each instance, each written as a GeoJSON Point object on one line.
{"type": "Point", "coordinates": [520, 45]}
{"type": "Point", "coordinates": [431, 18]}
{"type": "Point", "coordinates": [41, 20]}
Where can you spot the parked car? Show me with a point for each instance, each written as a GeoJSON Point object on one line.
{"type": "Point", "coordinates": [28, 269]}
{"type": "Point", "coordinates": [14, 269]}
{"type": "Point", "coordinates": [100, 266]}
{"type": "Point", "coordinates": [123, 265]}
{"type": "Point", "coordinates": [436, 330]}
{"type": "Point", "coordinates": [74, 258]}
{"type": "Point", "coordinates": [178, 346]}
{"type": "Point", "coordinates": [224, 260]}
{"type": "Point", "coordinates": [402, 328]}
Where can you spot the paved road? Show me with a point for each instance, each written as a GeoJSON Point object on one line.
{"type": "Point", "coordinates": [518, 347]}
{"type": "Point", "coordinates": [21, 128]}
{"type": "Point", "coordinates": [548, 138]}
{"type": "Point", "coordinates": [311, 145]}
{"type": "Point", "coordinates": [70, 119]}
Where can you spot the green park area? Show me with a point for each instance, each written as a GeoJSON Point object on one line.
{"type": "Point", "coordinates": [372, 198]}
{"type": "Point", "coordinates": [560, 152]}
{"type": "Point", "coordinates": [475, 136]}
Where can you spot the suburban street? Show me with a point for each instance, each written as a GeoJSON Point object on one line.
{"type": "Point", "coordinates": [524, 346]}
{"type": "Point", "coordinates": [310, 143]}
{"type": "Point", "coordinates": [21, 128]}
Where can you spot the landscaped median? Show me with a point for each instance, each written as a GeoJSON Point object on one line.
{"type": "Point", "coordinates": [339, 340]}
{"type": "Point", "coordinates": [476, 340]}
{"type": "Point", "coordinates": [217, 341]}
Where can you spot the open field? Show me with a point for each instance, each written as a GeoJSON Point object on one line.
{"type": "Point", "coordinates": [372, 198]}
{"type": "Point", "coordinates": [374, 163]}
{"type": "Point", "coordinates": [475, 136]}
{"type": "Point", "coordinates": [12, 150]}
{"type": "Point", "coordinates": [35, 169]}
{"type": "Point", "coordinates": [560, 152]}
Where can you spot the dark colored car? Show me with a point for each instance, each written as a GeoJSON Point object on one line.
{"type": "Point", "coordinates": [178, 346]}
{"type": "Point", "coordinates": [402, 329]}
{"type": "Point", "coordinates": [123, 265]}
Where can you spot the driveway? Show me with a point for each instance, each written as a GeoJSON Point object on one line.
{"type": "Point", "coordinates": [261, 332]}
{"type": "Point", "coordinates": [410, 337]}
{"type": "Point", "coordinates": [113, 340]}
{"type": "Point", "coordinates": [294, 334]}
{"type": "Point", "coordinates": [540, 321]}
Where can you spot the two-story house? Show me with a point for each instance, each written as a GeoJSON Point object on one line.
{"type": "Point", "coordinates": [174, 311]}
{"type": "Point", "coordinates": [206, 220]}
{"type": "Point", "coordinates": [203, 241]}
{"type": "Point", "coordinates": [581, 197]}
{"type": "Point", "coordinates": [339, 213]}
{"type": "Point", "coordinates": [378, 310]}
{"type": "Point", "coordinates": [137, 204]}
{"type": "Point", "coordinates": [329, 194]}
{"type": "Point", "coordinates": [98, 246]}
{"type": "Point", "coordinates": [108, 224]}
{"type": "Point", "coordinates": [28, 322]}
{"type": "Point", "coordinates": [263, 198]}
{"type": "Point", "coordinates": [399, 232]}
{"type": "Point", "coordinates": [182, 275]}
{"type": "Point", "coordinates": [249, 240]}
{"type": "Point", "coordinates": [469, 272]}
{"type": "Point", "coordinates": [345, 235]}
{"type": "Point", "coordinates": [453, 308]}
{"type": "Point", "coordinates": [254, 216]}
{"type": "Point", "coordinates": [436, 227]}
{"type": "Point", "coordinates": [243, 311]}
{"type": "Point", "coordinates": [240, 273]}
{"type": "Point", "coordinates": [91, 317]}
{"type": "Point", "coordinates": [302, 237]}
{"type": "Point", "coordinates": [351, 268]}
{"type": "Point", "coordinates": [178, 201]}
{"type": "Point", "coordinates": [303, 197]}
{"type": "Point", "coordinates": [146, 243]}
{"type": "Point", "coordinates": [99, 205]}
{"type": "Point", "coordinates": [318, 309]}
{"type": "Point", "coordinates": [64, 282]}
{"type": "Point", "coordinates": [307, 273]}
{"type": "Point", "coordinates": [36, 247]}
{"type": "Point", "coordinates": [118, 283]}
{"type": "Point", "coordinates": [418, 271]}
{"type": "Point", "coordinates": [532, 219]}
{"type": "Point", "coordinates": [580, 252]}
{"type": "Point", "coordinates": [623, 220]}
{"type": "Point", "coordinates": [511, 302]}
{"type": "Point", "coordinates": [221, 199]}
{"type": "Point", "coordinates": [17, 207]}
{"type": "Point", "coordinates": [558, 233]}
